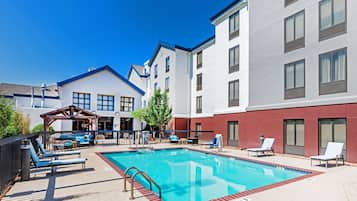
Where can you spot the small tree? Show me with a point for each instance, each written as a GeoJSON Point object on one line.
{"type": "Point", "coordinates": [39, 129]}
{"type": "Point", "coordinates": [157, 113]}
{"type": "Point", "coordinates": [12, 122]}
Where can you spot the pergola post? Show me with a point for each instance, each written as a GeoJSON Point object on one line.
{"type": "Point", "coordinates": [45, 131]}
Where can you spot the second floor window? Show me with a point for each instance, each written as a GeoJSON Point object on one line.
{"type": "Point", "coordinates": [155, 86]}
{"type": "Point", "coordinates": [295, 31]}
{"type": "Point", "coordinates": [199, 59]}
{"type": "Point", "coordinates": [81, 100]}
{"type": "Point", "coordinates": [126, 104]}
{"type": "Point", "coordinates": [332, 18]}
{"type": "Point", "coordinates": [199, 104]}
{"type": "Point", "coordinates": [167, 84]}
{"type": "Point", "coordinates": [234, 59]}
{"type": "Point", "coordinates": [233, 93]}
{"type": "Point", "coordinates": [295, 80]}
{"type": "Point", "coordinates": [234, 25]}
{"type": "Point", "coordinates": [155, 71]}
{"type": "Point", "coordinates": [167, 64]}
{"type": "Point", "coordinates": [105, 103]}
{"type": "Point", "coordinates": [199, 82]}
{"type": "Point", "coordinates": [333, 72]}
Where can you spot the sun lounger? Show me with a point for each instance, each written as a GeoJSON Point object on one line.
{"type": "Point", "coordinates": [333, 152]}
{"type": "Point", "coordinates": [53, 163]}
{"type": "Point", "coordinates": [44, 153]}
{"type": "Point", "coordinates": [267, 146]}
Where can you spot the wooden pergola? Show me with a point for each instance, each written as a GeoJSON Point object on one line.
{"type": "Point", "coordinates": [71, 112]}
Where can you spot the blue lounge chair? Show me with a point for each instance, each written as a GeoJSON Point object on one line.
{"type": "Point", "coordinates": [53, 163]}
{"type": "Point", "coordinates": [213, 143]}
{"type": "Point", "coordinates": [55, 154]}
{"type": "Point", "coordinates": [174, 139]}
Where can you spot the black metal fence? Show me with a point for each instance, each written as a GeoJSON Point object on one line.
{"type": "Point", "coordinates": [10, 158]}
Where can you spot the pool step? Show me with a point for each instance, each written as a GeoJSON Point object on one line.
{"type": "Point", "coordinates": [136, 173]}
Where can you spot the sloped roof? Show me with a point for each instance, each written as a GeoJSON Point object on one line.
{"type": "Point", "coordinates": [139, 70]}
{"type": "Point", "coordinates": [106, 67]}
{"type": "Point", "coordinates": [7, 89]}
{"type": "Point", "coordinates": [167, 46]}
{"type": "Point", "coordinates": [221, 12]}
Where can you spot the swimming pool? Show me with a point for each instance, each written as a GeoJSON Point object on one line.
{"type": "Point", "coordinates": [185, 174]}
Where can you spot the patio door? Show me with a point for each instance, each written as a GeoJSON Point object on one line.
{"type": "Point", "coordinates": [232, 133]}
{"type": "Point", "coordinates": [294, 137]}
{"type": "Point", "coordinates": [126, 124]}
{"type": "Point", "coordinates": [332, 130]}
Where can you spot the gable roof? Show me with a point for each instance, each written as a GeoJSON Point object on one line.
{"type": "Point", "coordinates": [167, 46]}
{"type": "Point", "coordinates": [139, 70]}
{"type": "Point", "coordinates": [204, 42]}
{"type": "Point", "coordinates": [221, 12]}
{"type": "Point", "coordinates": [106, 67]}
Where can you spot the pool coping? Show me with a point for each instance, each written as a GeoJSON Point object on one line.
{"type": "Point", "coordinates": [153, 197]}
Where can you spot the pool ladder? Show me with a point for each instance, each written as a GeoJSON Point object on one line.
{"type": "Point", "coordinates": [144, 175]}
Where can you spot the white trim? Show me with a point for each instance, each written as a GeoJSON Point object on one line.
{"type": "Point", "coordinates": [305, 103]}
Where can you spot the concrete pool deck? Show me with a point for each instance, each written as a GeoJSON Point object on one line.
{"type": "Point", "coordinates": [100, 182]}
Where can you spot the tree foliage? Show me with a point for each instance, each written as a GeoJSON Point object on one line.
{"type": "Point", "coordinates": [39, 128]}
{"type": "Point", "coordinates": [12, 122]}
{"type": "Point", "coordinates": [158, 112]}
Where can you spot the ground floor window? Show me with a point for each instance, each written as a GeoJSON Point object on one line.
{"type": "Point", "coordinates": [332, 130]}
{"type": "Point", "coordinates": [232, 132]}
{"type": "Point", "coordinates": [198, 128]}
{"type": "Point", "coordinates": [80, 125]}
{"type": "Point", "coordinates": [294, 136]}
{"type": "Point", "coordinates": [126, 124]}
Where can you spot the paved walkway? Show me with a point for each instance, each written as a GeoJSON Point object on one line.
{"type": "Point", "coordinates": [100, 182]}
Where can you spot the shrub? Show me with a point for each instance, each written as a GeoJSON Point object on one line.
{"type": "Point", "coordinates": [39, 128]}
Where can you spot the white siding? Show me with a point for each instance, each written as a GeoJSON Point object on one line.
{"type": "Point", "coordinates": [105, 83]}
{"type": "Point", "coordinates": [267, 57]}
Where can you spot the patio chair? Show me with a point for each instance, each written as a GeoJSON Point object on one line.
{"type": "Point", "coordinates": [44, 153]}
{"type": "Point", "coordinates": [213, 144]}
{"type": "Point", "coordinates": [174, 139]}
{"type": "Point", "coordinates": [333, 152]}
{"type": "Point", "coordinates": [53, 163]}
{"type": "Point", "coordinates": [267, 146]}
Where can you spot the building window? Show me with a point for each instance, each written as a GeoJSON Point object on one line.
{"type": "Point", "coordinates": [295, 31]}
{"type": "Point", "coordinates": [234, 25]}
{"type": "Point", "coordinates": [199, 59]}
{"type": "Point", "coordinates": [81, 100]}
{"type": "Point", "coordinates": [332, 130]}
{"type": "Point", "coordinates": [332, 18]}
{"type": "Point", "coordinates": [167, 84]}
{"type": "Point", "coordinates": [294, 132]}
{"type": "Point", "coordinates": [288, 2]}
{"type": "Point", "coordinates": [198, 128]}
{"type": "Point", "coordinates": [105, 103]}
{"type": "Point", "coordinates": [295, 80]}
{"type": "Point", "coordinates": [234, 59]}
{"type": "Point", "coordinates": [126, 104]}
{"type": "Point", "coordinates": [199, 104]}
{"type": "Point", "coordinates": [232, 133]}
{"type": "Point", "coordinates": [199, 82]}
{"type": "Point", "coordinates": [155, 86]}
{"type": "Point", "coordinates": [233, 93]}
{"type": "Point", "coordinates": [167, 64]}
{"type": "Point", "coordinates": [333, 72]}
{"type": "Point", "coordinates": [155, 71]}
{"type": "Point", "coordinates": [294, 136]}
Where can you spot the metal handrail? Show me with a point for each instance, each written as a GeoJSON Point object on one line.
{"type": "Point", "coordinates": [148, 178]}
{"type": "Point", "coordinates": [126, 173]}
{"type": "Point", "coordinates": [145, 176]}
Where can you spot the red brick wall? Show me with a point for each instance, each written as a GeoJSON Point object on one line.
{"type": "Point", "coordinates": [179, 124]}
{"type": "Point", "coordinates": [270, 123]}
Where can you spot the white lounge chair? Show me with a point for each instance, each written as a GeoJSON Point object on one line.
{"type": "Point", "coordinates": [267, 146]}
{"type": "Point", "coordinates": [333, 152]}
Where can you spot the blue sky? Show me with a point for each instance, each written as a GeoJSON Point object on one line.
{"type": "Point", "coordinates": [49, 41]}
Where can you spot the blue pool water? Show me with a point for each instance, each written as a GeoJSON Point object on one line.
{"type": "Point", "coordinates": [185, 175]}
